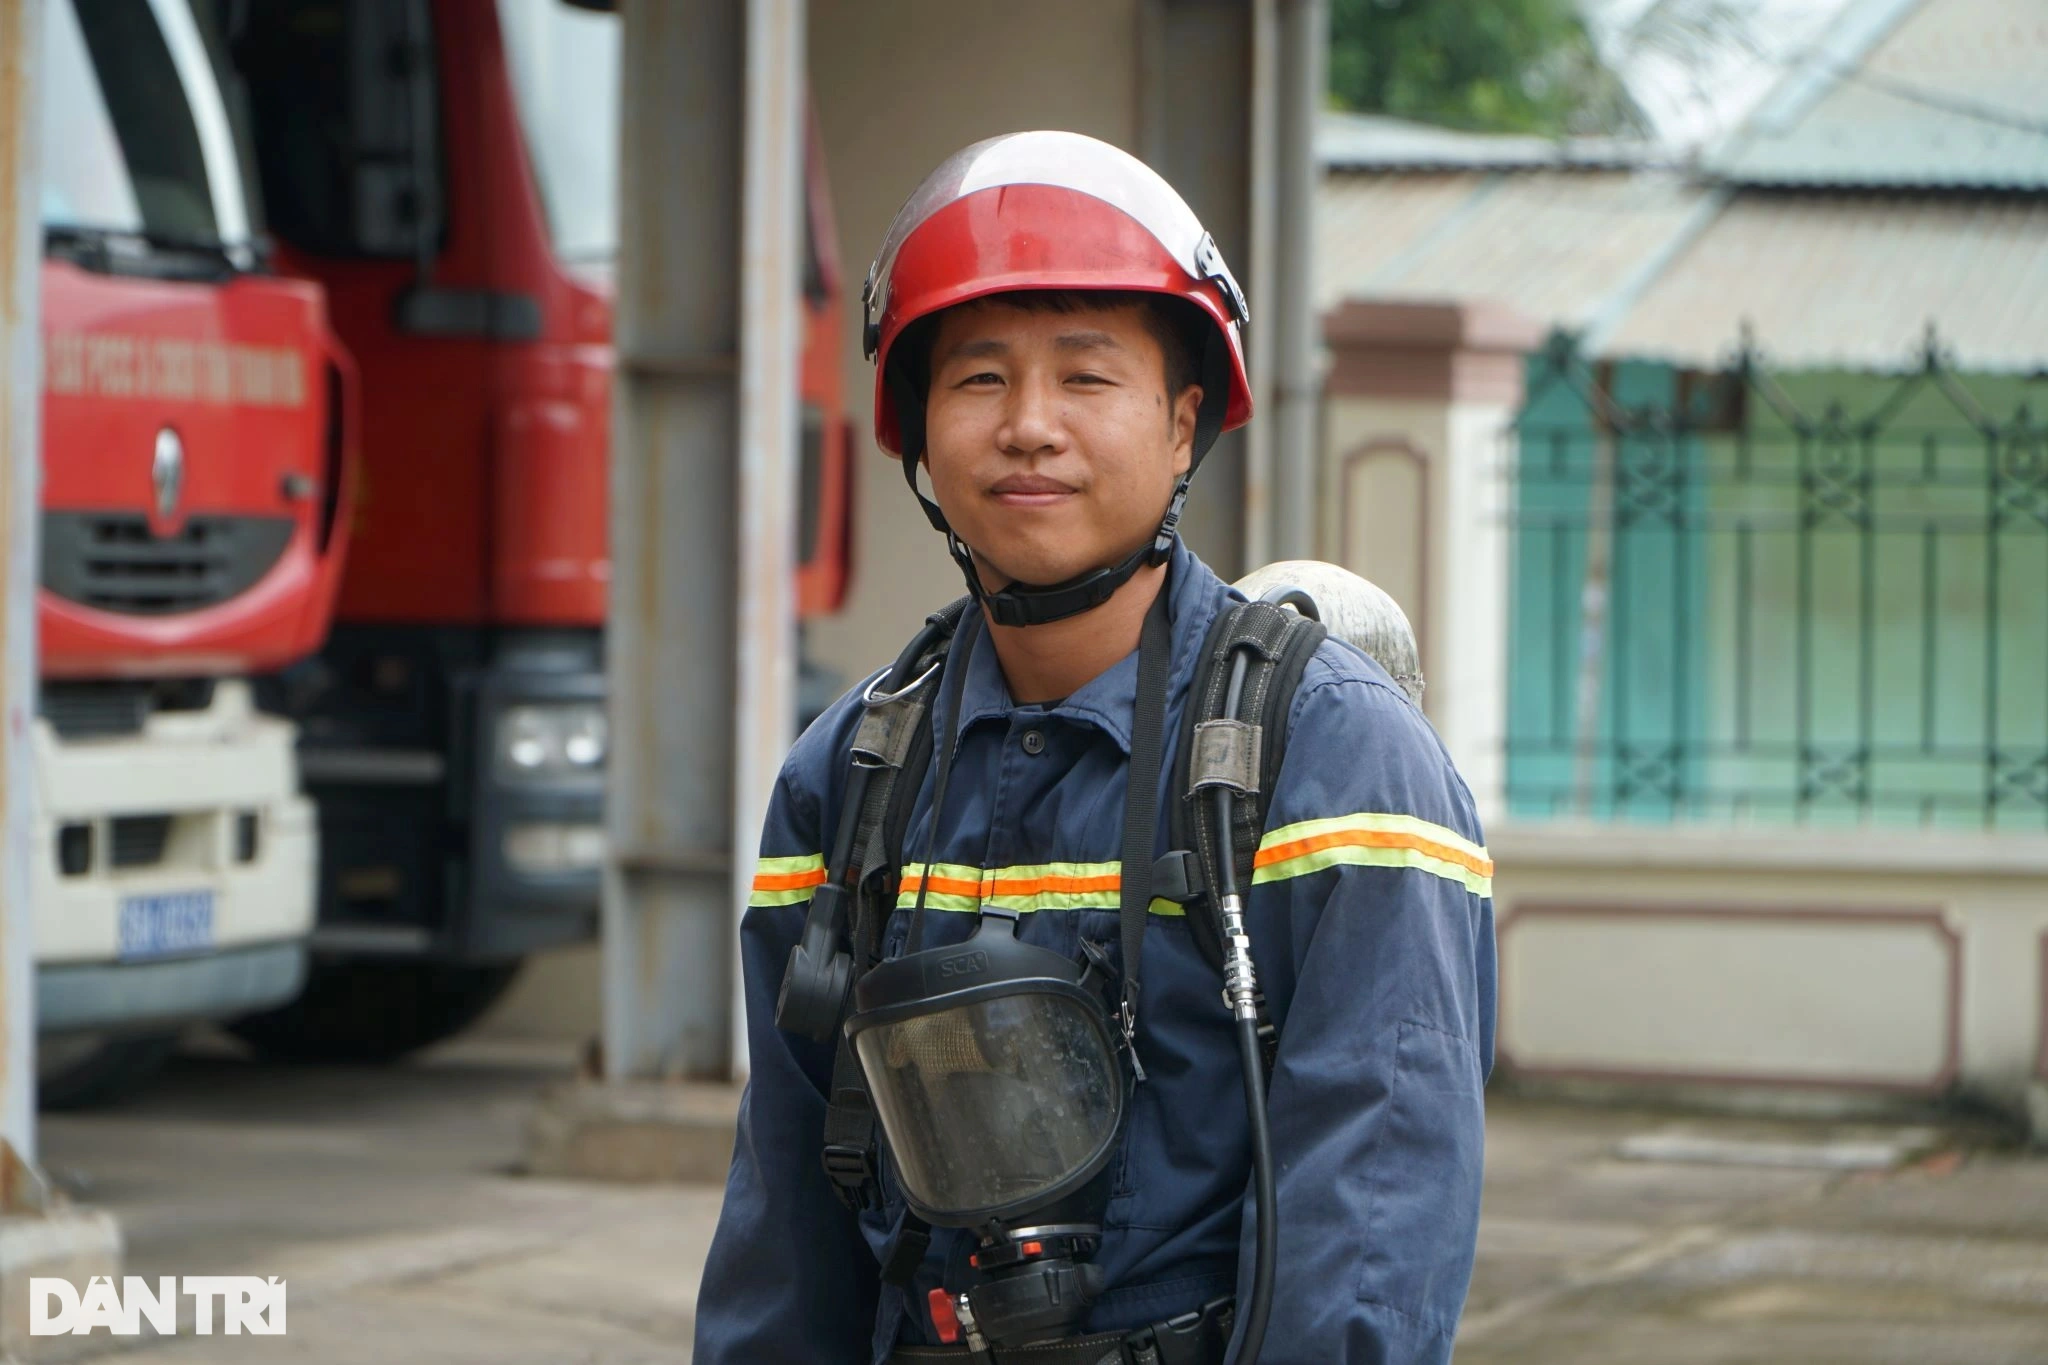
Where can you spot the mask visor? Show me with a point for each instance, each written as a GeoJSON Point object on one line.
{"type": "Point", "coordinates": [994, 1103]}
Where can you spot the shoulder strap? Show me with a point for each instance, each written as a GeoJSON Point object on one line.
{"type": "Point", "coordinates": [1141, 808]}
{"type": "Point", "coordinates": [1281, 643]}
{"type": "Point", "coordinates": [892, 743]}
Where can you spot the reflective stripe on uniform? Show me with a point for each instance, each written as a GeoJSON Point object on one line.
{"type": "Point", "coordinates": [1372, 841]}
{"type": "Point", "coordinates": [1024, 888]}
{"type": "Point", "coordinates": [787, 881]}
{"type": "Point", "coordinates": [1291, 851]}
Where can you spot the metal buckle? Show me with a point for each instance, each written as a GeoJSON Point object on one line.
{"type": "Point", "coordinates": [1127, 1016]}
{"type": "Point", "coordinates": [870, 697]}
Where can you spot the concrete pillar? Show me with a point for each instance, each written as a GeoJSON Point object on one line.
{"type": "Point", "coordinates": [1304, 40]}
{"type": "Point", "coordinates": [701, 633]}
{"type": "Point", "coordinates": [771, 270]}
{"type": "Point", "coordinates": [1259, 272]}
{"type": "Point", "coordinates": [1195, 76]}
{"type": "Point", "coordinates": [1417, 441]}
{"type": "Point", "coordinates": [39, 1235]}
{"type": "Point", "coordinates": [20, 442]}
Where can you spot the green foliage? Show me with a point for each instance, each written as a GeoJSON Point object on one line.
{"type": "Point", "coordinates": [1501, 66]}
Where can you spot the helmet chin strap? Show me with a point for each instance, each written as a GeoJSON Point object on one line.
{"type": "Point", "coordinates": [1030, 604]}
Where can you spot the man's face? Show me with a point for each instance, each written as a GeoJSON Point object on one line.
{"type": "Point", "coordinates": [1051, 440]}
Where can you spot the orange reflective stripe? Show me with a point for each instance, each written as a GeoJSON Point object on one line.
{"type": "Point", "coordinates": [789, 881]}
{"type": "Point", "coordinates": [1372, 838]}
{"type": "Point", "coordinates": [786, 881]}
{"type": "Point", "coordinates": [942, 886]}
{"type": "Point", "coordinates": [1023, 887]}
{"type": "Point", "coordinates": [1012, 886]}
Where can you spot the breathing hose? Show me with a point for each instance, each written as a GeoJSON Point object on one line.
{"type": "Point", "coordinates": [1240, 990]}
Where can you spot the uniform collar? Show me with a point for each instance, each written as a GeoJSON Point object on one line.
{"type": "Point", "coordinates": [1109, 700]}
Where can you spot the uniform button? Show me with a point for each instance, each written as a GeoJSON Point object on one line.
{"type": "Point", "coordinates": [1033, 742]}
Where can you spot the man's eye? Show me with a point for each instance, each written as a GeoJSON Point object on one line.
{"type": "Point", "coordinates": [1087, 379]}
{"type": "Point", "coordinates": [984, 378]}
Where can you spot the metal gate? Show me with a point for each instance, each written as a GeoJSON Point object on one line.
{"type": "Point", "coordinates": [1816, 596]}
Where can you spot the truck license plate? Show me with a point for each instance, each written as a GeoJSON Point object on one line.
{"type": "Point", "coordinates": [166, 924]}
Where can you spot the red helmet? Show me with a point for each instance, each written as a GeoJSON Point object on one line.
{"type": "Point", "coordinates": [1051, 210]}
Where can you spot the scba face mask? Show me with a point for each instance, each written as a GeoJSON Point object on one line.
{"type": "Point", "coordinates": [994, 1072]}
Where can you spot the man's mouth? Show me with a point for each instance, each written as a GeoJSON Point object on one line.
{"type": "Point", "coordinates": [1029, 490]}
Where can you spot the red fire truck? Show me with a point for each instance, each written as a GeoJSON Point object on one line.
{"type": "Point", "coordinates": [196, 474]}
{"type": "Point", "coordinates": [447, 170]}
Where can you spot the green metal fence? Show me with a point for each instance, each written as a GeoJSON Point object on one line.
{"type": "Point", "coordinates": [1815, 597]}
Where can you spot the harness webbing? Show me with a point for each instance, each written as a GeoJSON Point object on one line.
{"type": "Point", "coordinates": [1141, 805]}
{"type": "Point", "coordinates": [956, 689]}
{"type": "Point", "coordinates": [1281, 643]}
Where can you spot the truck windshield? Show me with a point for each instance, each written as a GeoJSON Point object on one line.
{"type": "Point", "coordinates": [565, 67]}
{"type": "Point", "coordinates": [135, 138]}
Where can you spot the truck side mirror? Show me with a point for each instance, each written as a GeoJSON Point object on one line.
{"type": "Point", "coordinates": [395, 191]}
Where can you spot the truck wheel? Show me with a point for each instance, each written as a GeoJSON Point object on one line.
{"type": "Point", "coordinates": [84, 1071]}
{"type": "Point", "coordinates": [369, 1011]}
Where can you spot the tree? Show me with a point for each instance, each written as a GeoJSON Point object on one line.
{"type": "Point", "coordinates": [1502, 66]}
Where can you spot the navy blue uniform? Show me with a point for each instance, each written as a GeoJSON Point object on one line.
{"type": "Point", "coordinates": [1371, 919]}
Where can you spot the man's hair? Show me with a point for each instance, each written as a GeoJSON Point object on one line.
{"type": "Point", "coordinates": [1177, 325]}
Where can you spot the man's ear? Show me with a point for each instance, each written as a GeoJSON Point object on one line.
{"type": "Point", "coordinates": [1185, 409]}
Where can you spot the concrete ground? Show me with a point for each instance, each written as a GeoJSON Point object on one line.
{"type": "Point", "coordinates": [389, 1201]}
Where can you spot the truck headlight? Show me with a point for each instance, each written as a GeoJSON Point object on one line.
{"type": "Point", "coordinates": [540, 848]}
{"type": "Point", "coordinates": [542, 742]}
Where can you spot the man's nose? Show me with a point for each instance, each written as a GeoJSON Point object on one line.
{"type": "Point", "coordinates": [1032, 420]}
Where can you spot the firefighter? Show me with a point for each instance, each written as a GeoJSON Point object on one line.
{"type": "Point", "coordinates": [997, 1121]}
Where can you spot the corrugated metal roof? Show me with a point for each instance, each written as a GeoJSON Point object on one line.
{"type": "Point", "coordinates": [1374, 141]}
{"type": "Point", "coordinates": [1908, 93]}
{"type": "Point", "coordinates": [1852, 281]}
{"type": "Point", "coordinates": [1365, 220]}
{"type": "Point", "coordinates": [1553, 245]}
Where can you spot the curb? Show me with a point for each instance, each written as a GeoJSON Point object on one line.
{"type": "Point", "coordinates": [72, 1244]}
{"type": "Point", "coordinates": [634, 1131]}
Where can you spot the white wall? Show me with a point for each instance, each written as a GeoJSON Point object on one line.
{"type": "Point", "coordinates": [1774, 959]}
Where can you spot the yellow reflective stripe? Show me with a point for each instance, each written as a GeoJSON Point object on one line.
{"type": "Point", "coordinates": [1025, 888]}
{"type": "Point", "coordinates": [787, 881]}
{"type": "Point", "coordinates": [1372, 840]}
{"type": "Point", "coordinates": [792, 896]}
{"type": "Point", "coordinates": [1363, 840]}
{"type": "Point", "coordinates": [1409, 825]}
{"type": "Point", "coordinates": [802, 865]}
{"type": "Point", "coordinates": [938, 900]}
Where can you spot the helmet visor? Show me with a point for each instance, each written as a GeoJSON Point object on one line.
{"type": "Point", "coordinates": [996, 1103]}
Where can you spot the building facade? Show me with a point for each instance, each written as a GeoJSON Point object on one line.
{"type": "Point", "coordinates": [1719, 494]}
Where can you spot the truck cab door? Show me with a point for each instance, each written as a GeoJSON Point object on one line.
{"type": "Point", "coordinates": [360, 136]}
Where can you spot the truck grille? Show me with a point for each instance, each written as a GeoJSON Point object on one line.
{"type": "Point", "coordinates": [138, 840]}
{"type": "Point", "coordinates": [107, 710]}
{"type": "Point", "coordinates": [94, 710]}
{"type": "Point", "coordinates": [109, 560]}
